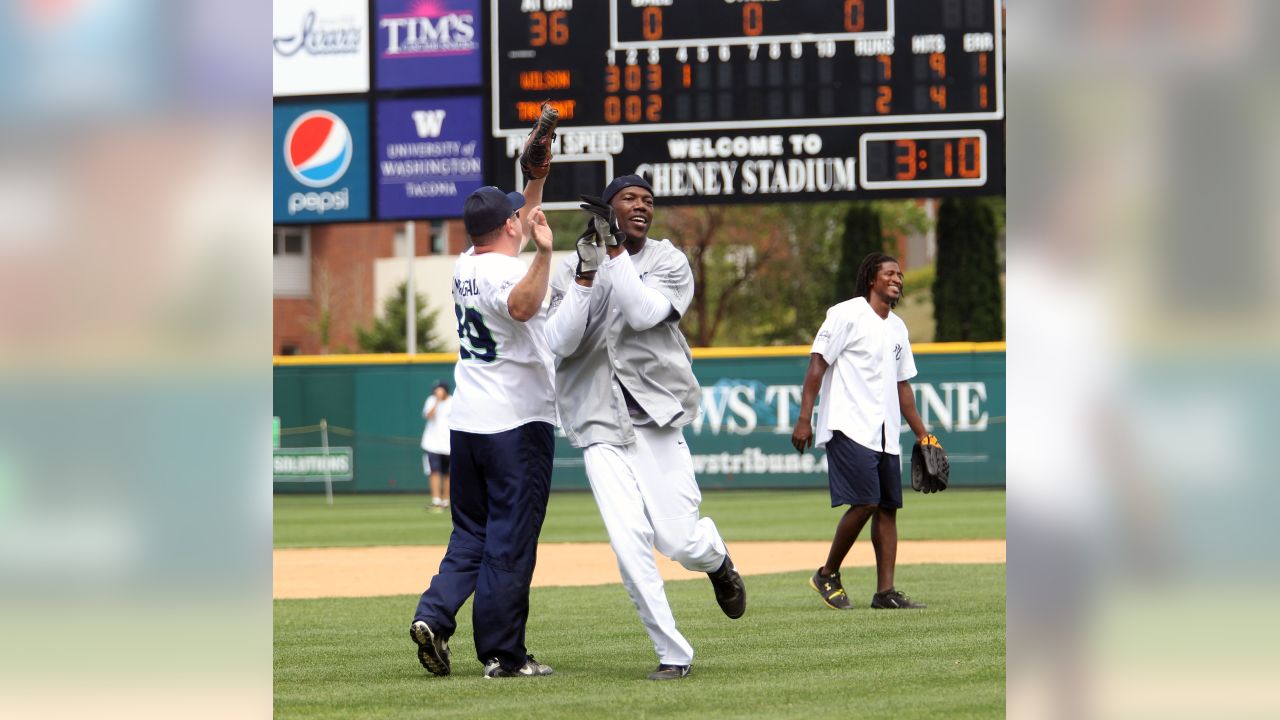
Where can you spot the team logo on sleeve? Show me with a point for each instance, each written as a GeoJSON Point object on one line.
{"type": "Point", "coordinates": [897, 351]}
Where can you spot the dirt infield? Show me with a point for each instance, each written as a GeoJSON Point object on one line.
{"type": "Point", "coordinates": [374, 571]}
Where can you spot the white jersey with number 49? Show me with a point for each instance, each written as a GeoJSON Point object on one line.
{"type": "Point", "coordinates": [504, 377]}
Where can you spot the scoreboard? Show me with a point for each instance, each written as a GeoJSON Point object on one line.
{"type": "Point", "coordinates": [754, 101]}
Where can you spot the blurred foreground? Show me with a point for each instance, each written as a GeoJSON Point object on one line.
{"type": "Point", "coordinates": [1142, 276]}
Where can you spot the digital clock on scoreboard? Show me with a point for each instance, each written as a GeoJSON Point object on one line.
{"type": "Point", "coordinates": [923, 159]}
{"type": "Point", "coordinates": [628, 74]}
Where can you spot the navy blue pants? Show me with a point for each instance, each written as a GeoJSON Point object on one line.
{"type": "Point", "coordinates": [499, 492]}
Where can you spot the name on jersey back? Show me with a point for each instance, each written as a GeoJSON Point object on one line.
{"type": "Point", "coordinates": [465, 288]}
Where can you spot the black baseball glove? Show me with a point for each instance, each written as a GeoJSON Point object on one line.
{"type": "Point", "coordinates": [591, 254]}
{"type": "Point", "coordinates": [602, 218]}
{"type": "Point", "coordinates": [930, 469]}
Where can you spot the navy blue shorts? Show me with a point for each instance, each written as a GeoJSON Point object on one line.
{"type": "Point", "coordinates": [435, 463]}
{"type": "Point", "coordinates": [862, 476]}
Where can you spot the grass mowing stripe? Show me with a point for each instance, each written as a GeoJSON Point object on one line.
{"type": "Point", "coordinates": [780, 515]}
{"type": "Point", "coordinates": [790, 656]}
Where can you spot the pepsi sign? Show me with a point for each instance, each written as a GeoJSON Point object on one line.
{"type": "Point", "coordinates": [321, 162]}
{"type": "Point", "coordinates": [427, 43]}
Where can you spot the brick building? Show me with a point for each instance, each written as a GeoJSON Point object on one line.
{"type": "Point", "coordinates": [319, 268]}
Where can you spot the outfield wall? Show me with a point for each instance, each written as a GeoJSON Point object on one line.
{"type": "Point", "coordinates": [750, 400]}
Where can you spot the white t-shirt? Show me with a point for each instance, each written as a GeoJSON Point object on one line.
{"type": "Point", "coordinates": [435, 436]}
{"type": "Point", "coordinates": [868, 357]}
{"type": "Point", "coordinates": [504, 377]}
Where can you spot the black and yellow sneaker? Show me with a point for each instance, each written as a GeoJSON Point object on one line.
{"type": "Point", "coordinates": [892, 599]}
{"type": "Point", "coordinates": [832, 592]}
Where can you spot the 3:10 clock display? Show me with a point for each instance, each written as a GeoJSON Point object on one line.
{"type": "Point", "coordinates": [923, 159]}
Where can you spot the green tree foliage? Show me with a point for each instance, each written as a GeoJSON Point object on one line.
{"type": "Point", "coordinates": [765, 274]}
{"type": "Point", "coordinates": [967, 298]}
{"type": "Point", "coordinates": [862, 236]}
{"type": "Point", "coordinates": [387, 333]}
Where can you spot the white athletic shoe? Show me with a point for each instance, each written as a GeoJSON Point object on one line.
{"type": "Point", "coordinates": [531, 668]}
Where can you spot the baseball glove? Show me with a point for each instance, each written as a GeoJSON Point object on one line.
{"type": "Point", "coordinates": [591, 254]}
{"type": "Point", "coordinates": [535, 160]}
{"type": "Point", "coordinates": [601, 217]}
{"type": "Point", "coordinates": [930, 469]}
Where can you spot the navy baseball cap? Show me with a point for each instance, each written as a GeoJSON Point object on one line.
{"type": "Point", "coordinates": [487, 208]}
{"type": "Point", "coordinates": [440, 384]}
{"type": "Point", "coordinates": [624, 181]}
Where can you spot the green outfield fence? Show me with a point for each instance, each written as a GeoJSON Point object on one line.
{"type": "Point", "coordinates": [750, 398]}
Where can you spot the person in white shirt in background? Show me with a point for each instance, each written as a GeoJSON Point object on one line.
{"type": "Point", "coordinates": [435, 444]}
{"type": "Point", "coordinates": [862, 360]}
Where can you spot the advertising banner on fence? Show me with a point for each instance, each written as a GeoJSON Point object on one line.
{"type": "Point", "coordinates": [427, 44]}
{"type": "Point", "coordinates": [430, 156]}
{"type": "Point", "coordinates": [741, 439]}
{"type": "Point", "coordinates": [321, 162]}
{"type": "Point", "coordinates": [320, 47]}
{"type": "Point", "coordinates": [312, 464]}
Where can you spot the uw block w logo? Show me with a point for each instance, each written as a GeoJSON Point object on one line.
{"type": "Point", "coordinates": [428, 123]}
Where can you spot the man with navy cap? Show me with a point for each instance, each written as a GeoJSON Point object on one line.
{"type": "Point", "coordinates": [501, 437]}
{"type": "Point", "coordinates": [625, 390]}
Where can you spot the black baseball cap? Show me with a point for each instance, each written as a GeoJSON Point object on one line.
{"type": "Point", "coordinates": [487, 208]}
{"type": "Point", "coordinates": [440, 384]}
{"type": "Point", "coordinates": [624, 181]}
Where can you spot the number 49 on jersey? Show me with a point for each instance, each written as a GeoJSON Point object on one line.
{"type": "Point", "coordinates": [474, 339]}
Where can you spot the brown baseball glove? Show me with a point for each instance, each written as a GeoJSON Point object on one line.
{"type": "Point", "coordinates": [535, 160]}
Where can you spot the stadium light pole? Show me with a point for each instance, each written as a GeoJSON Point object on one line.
{"type": "Point", "coordinates": [410, 299]}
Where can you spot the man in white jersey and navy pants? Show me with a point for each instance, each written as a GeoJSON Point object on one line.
{"type": "Point", "coordinates": [862, 360]}
{"type": "Point", "coordinates": [625, 390]}
{"type": "Point", "coordinates": [501, 440]}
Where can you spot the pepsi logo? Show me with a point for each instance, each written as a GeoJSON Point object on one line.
{"type": "Point", "coordinates": [317, 148]}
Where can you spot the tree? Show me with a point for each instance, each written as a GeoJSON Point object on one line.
{"type": "Point", "coordinates": [728, 250]}
{"type": "Point", "coordinates": [967, 302]}
{"type": "Point", "coordinates": [862, 236]}
{"type": "Point", "coordinates": [765, 274]}
{"type": "Point", "coordinates": [387, 333]}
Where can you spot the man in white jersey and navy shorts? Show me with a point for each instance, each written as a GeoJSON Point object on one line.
{"type": "Point", "coordinates": [501, 440]}
{"type": "Point", "coordinates": [625, 389]}
{"type": "Point", "coordinates": [862, 360]}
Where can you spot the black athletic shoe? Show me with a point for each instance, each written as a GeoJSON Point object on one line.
{"type": "Point", "coordinates": [531, 668]}
{"type": "Point", "coordinates": [433, 650]}
{"type": "Point", "coordinates": [731, 593]}
{"type": "Point", "coordinates": [670, 672]}
{"type": "Point", "coordinates": [894, 600]}
{"type": "Point", "coordinates": [832, 592]}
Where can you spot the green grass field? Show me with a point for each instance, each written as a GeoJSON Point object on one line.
{"type": "Point", "coordinates": [363, 520]}
{"type": "Point", "coordinates": [789, 657]}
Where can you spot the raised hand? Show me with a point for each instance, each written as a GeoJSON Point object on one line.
{"type": "Point", "coordinates": [541, 230]}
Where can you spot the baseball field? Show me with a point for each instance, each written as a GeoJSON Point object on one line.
{"type": "Point", "coordinates": [347, 578]}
